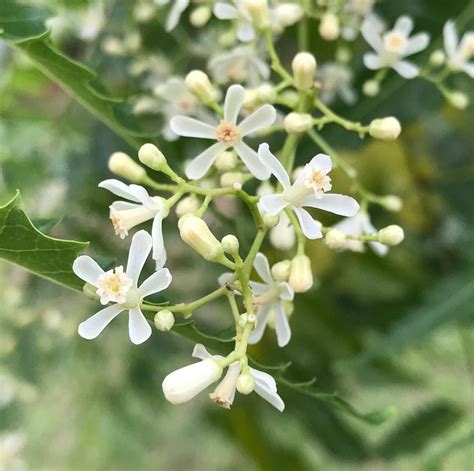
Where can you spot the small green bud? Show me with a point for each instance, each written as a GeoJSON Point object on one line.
{"type": "Point", "coordinates": [281, 270]}
{"type": "Point", "coordinates": [164, 320]}
{"type": "Point", "coordinates": [437, 58]}
{"type": "Point", "coordinates": [297, 123]}
{"type": "Point", "coordinates": [200, 16]}
{"type": "Point", "coordinates": [386, 129]}
{"type": "Point", "coordinates": [391, 235]}
{"type": "Point", "coordinates": [152, 157]}
{"type": "Point", "coordinates": [371, 88]}
{"type": "Point", "coordinates": [335, 239]}
{"type": "Point", "coordinates": [245, 383]}
{"type": "Point", "coordinates": [122, 165]}
{"type": "Point", "coordinates": [230, 244]}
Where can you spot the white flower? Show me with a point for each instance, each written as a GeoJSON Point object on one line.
{"type": "Point", "coordinates": [459, 53]}
{"type": "Point", "coordinates": [269, 302]}
{"type": "Point", "coordinates": [122, 288]}
{"type": "Point", "coordinates": [11, 445]}
{"type": "Point", "coordinates": [125, 215]}
{"type": "Point", "coordinates": [355, 12]}
{"type": "Point", "coordinates": [242, 64]}
{"type": "Point", "coordinates": [174, 15]}
{"type": "Point", "coordinates": [336, 79]}
{"type": "Point", "coordinates": [283, 236]}
{"type": "Point", "coordinates": [227, 133]}
{"type": "Point", "coordinates": [309, 189]}
{"type": "Point", "coordinates": [360, 225]}
{"type": "Point", "coordinates": [393, 46]}
{"type": "Point", "coordinates": [227, 11]}
{"type": "Point", "coordinates": [265, 385]}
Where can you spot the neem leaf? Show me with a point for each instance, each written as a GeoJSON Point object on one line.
{"type": "Point", "coordinates": [23, 244]}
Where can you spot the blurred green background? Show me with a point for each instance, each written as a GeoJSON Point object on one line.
{"type": "Point", "coordinates": [396, 331]}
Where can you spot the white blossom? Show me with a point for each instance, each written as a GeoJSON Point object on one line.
{"type": "Point", "coordinates": [355, 13]}
{"type": "Point", "coordinates": [121, 288]}
{"type": "Point", "coordinates": [269, 300]}
{"type": "Point", "coordinates": [143, 207]}
{"type": "Point", "coordinates": [174, 15]}
{"type": "Point", "coordinates": [309, 190]}
{"type": "Point", "coordinates": [227, 133]}
{"type": "Point", "coordinates": [228, 11]}
{"type": "Point", "coordinates": [393, 46]}
{"type": "Point", "coordinates": [459, 53]}
{"type": "Point", "coordinates": [336, 80]}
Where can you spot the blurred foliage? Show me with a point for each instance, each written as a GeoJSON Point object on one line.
{"type": "Point", "coordinates": [385, 332]}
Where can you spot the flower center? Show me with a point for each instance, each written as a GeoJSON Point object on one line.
{"type": "Point", "coordinates": [227, 132]}
{"type": "Point", "coordinates": [186, 106]}
{"type": "Point", "coordinates": [318, 181]}
{"type": "Point", "coordinates": [269, 296]}
{"type": "Point", "coordinates": [395, 42]}
{"type": "Point", "coordinates": [113, 286]}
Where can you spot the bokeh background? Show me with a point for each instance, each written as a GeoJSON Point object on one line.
{"type": "Point", "coordinates": [396, 331]}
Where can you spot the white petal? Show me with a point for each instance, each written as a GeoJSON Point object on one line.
{"type": "Point", "coordinates": [450, 37]}
{"type": "Point", "coordinates": [347, 94]}
{"type": "Point", "coordinates": [262, 319]}
{"type": "Point", "coordinates": [403, 25]}
{"type": "Point", "coordinates": [417, 43]}
{"type": "Point", "coordinates": [350, 226]}
{"type": "Point", "coordinates": [159, 251]}
{"type": "Point", "coordinates": [175, 14]}
{"type": "Point", "coordinates": [139, 250]}
{"type": "Point", "coordinates": [118, 188]}
{"type": "Point", "coordinates": [261, 66]}
{"type": "Point", "coordinates": [272, 397]}
{"type": "Point", "coordinates": [250, 159]}
{"type": "Point", "coordinates": [155, 283]}
{"type": "Point", "coordinates": [262, 267]}
{"type": "Point", "coordinates": [261, 118]}
{"type": "Point", "coordinates": [92, 327]}
{"type": "Point", "coordinates": [380, 249]}
{"type": "Point", "coordinates": [370, 32]}
{"type": "Point", "coordinates": [87, 269]}
{"type": "Point", "coordinates": [124, 206]}
{"type": "Point", "coordinates": [266, 380]}
{"type": "Point", "coordinates": [273, 164]}
{"type": "Point", "coordinates": [323, 161]}
{"type": "Point", "coordinates": [258, 288]}
{"type": "Point", "coordinates": [233, 102]}
{"type": "Point", "coordinates": [310, 227]}
{"type": "Point", "coordinates": [469, 69]}
{"type": "Point", "coordinates": [372, 61]}
{"type": "Point", "coordinates": [199, 166]}
{"type": "Point", "coordinates": [245, 31]}
{"type": "Point", "coordinates": [201, 352]}
{"type": "Point", "coordinates": [282, 327]}
{"type": "Point", "coordinates": [139, 329]}
{"type": "Point", "coordinates": [406, 69]}
{"type": "Point", "coordinates": [224, 11]}
{"type": "Point", "coordinates": [142, 195]}
{"type": "Point", "coordinates": [272, 204]}
{"type": "Point", "coordinates": [190, 127]}
{"type": "Point", "coordinates": [286, 291]}
{"type": "Point", "coordinates": [337, 204]}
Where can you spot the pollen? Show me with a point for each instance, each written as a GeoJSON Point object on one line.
{"type": "Point", "coordinates": [114, 286]}
{"type": "Point", "coordinates": [227, 133]}
{"type": "Point", "coordinates": [395, 42]}
{"type": "Point", "coordinates": [119, 228]}
{"type": "Point", "coordinates": [318, 181]}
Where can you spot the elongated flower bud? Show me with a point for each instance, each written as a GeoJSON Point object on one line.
{"type": "Point", "coordinates": [386, 129]}
{"type": "Point", "coordinates": [182, 385]}
{"type": "Point", "coordinates": [122, 165]}
{"type": "Point", "coordinates": [152, 157]}
{"type": "Point", "coordinates": [194, 232]}
{"type": "Point", "coordinates": [187, 205]}
{"type": "Point", "coordinates": [329, 28]}
{"type": "Point", "coordinates": [258, 10]}
{"type": "Point", "coordinates": [301, 276]}
{"type": "Point", "coordinates": [199, 85]}
{"type": "Point", "coordinates": [304, 68]}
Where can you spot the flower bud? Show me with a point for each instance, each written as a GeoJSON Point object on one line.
{"type": "Point", "coordinates": [301, 276]}
{"type": "Point", "coordinates": [371, 88]}
{"type": "Point", "coordinates": [199, 85]}
{"type": "Point", "coordinates": [391, 235]}
{"type": "Point", "coordinates": [183, 384]}
{"type": "Point", "coordinates": [283, 236]}
{"type": "Point", "coordinates": [122, 165]}
{"type": "Point", "coordinates": [164, 320]}
{"type": "Point", "coordinates": [194, 232]}
{"type": "Point", "coordinates": [287, 14]}
{"type": "Point", "coordinates": [226, 161]}
{"type": "Point", "coordinates": [458, 99]}
{"type": "Point", "coordinates": [258, 10]}
{"type": "Point", "coordinates": [335, 239]}
{"type": "Point", "coordinates": [304, 68]}
{"type": "Point", "coordinates": [392, 203]}
{"type": "Point", "coordinates": [386, 129]}
{"type": "Point", "coordinates": [230, 244]}
{"type": "Point", "coordinates": [266, 93]}
{"type": "Point", "coordinates": [245, 383]}
{"type": "Point", "coordinates": [200, 16]}
{"type": "Point", "coordinates": [113, 46]}
{"type": "Point", "coordinates": [269, 220]}
{"type": "Point", "coordinates": [231, 178]}
{"type": "Point", "coordinates": [224, 394]}
{"type": "Point", "coordinates": [281, 270]}
{"type": "Point", "coordinates": [298, 122]}
{"type": "Point", "coordinates": [187, 205]}
{"type": "Point", "coordinates": [329, 28]}
{"type": "Point", "coordinates": [152, 157]}
{"type": "Point", "coordinates": [437, 58]}
{"type": "Point", "coordinates": [343, 54]}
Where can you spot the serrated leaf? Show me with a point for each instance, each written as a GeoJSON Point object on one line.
{"type": "Point", "coordinates": [23, 27]}
{"type": "Point", "coordinates": [23, 244]}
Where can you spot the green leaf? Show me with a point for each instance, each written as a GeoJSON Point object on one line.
{"type": "Point", "coordinates": [23, 244]}
{"type": "Point", "coordinates": [23, 27]}
{"type": "Point", "coordinates": [45, 224]}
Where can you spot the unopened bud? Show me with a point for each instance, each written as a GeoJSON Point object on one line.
{"type": "Point", "coordinates": [199, 85]}
{"type": "Point", "coordinates": [287, 14]}
{"type": "Point", "coordinates": [437, 58]}
{"type": "Point", "coordinates": [458, 99]}
{"type": "Point", "coordinates": [343, 54]}
{"type": "Point", "coordinates": [187, 205]}
{"type": "Point", "coordinates": [391, 235]}
{"type": "Point", "coordinates": [245, 383]}
{"type": "Point", "coordinates": [266, 93]}
{"type": "Point", "coordinates": [226, 161]}
{"type": "Point", "coordinates": [230, 244]}
{"type": "Point", "coordinates": [296, 123]}
{"type": "Point", "coordinates": [258, 10]}
{"type": "Point", "coordinates": [304, 67]}
{"type": "Point", "coordinates": [194, 232]}
{"type": "Point", "coordinates": [281, 270]}
{"type": "Point", "coordinates": [164, 320]}
{"type": "Point", "coordinates": [269, 220]}
{"type": "Point", "coordinates": [371, 88]}
{"type": "Point", "coordinates": [152, 157]}
{"type": "Point", "coordinates": [392, 203]}
{"type": "Point", "coordinates": [231, 178]}
{"type": "Point", "coordinates": [301, 276]}
{"type": "Point", "coordinates": [200, 16]}
{"type": "Point", "coordinates": [386, 129]}
{"type": "Point", "coordinates": [335, 239]}
{"type": "Point", "coordinates": [329, 28]}
{"type": "Point", "coordinates": [122, 165]}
